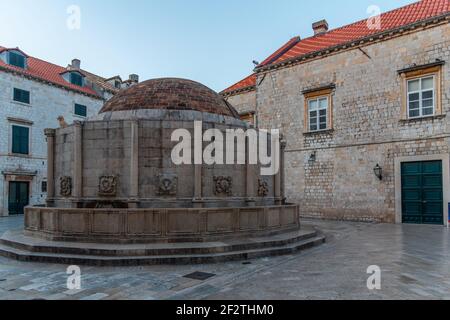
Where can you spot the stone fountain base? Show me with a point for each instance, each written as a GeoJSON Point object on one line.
{"type": "Point", "coordinates": [121, 226]}
{"type": "Point", "coordinates": [122, 237]}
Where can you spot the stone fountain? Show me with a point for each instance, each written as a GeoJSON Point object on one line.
{"type": "Point", "coordinates": [115, 196]}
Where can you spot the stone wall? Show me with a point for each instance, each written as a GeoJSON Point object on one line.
{"type": "Point", "coordinates": [160, 225]}
{"type": "Point", "coordinates": [107, 151]}
{"type": "Point", "coordinates": [367, 127]}
{"type": "Point", "coordinates": [47, 103]}
{"type": "Point", "coordinates": [243, 102]}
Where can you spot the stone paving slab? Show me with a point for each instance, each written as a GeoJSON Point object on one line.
{"type": "Point", "coordinates": [415, 264]}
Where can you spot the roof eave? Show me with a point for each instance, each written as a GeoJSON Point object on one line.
{"type": "Point", "coordinates": [238, 91]}
{"type": "Point", "coordinates": [73, 70]}
{"type": "Point", "coordinates": [15, 49]}
{"type": "Point", "coordinates": [95, 96]}
{"type": "Point", "coordinates": [356, 43]}
{"type": "Point", "coordinates": [113, 78]}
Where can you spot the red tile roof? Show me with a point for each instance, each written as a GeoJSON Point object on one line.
{"type": "Point", "coordinates": [280, 52]}
{"type": "Point", "coordinates": [394, 19]}
{"type": "Point", "coordinates": [404, 16]}
{"type": "Point", "coordinates": [248, 82]}
{"type": "Point", "coordinates": [45, 71]}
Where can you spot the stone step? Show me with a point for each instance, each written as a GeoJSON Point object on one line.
{"type": "Point", "coordinates": [19, 241]}
{"type": "Point", "coordinates": [74, 259]}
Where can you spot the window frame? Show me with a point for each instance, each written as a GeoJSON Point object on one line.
{"type": "Point", "coordinates": [249, 117]}
{"type": "Point", "coordinates": [75, 109]}
{"type": "Point", "coordinates": [318, 115]}
{"type": "Point", "coordinates": [71, 74]}
{"type": "Point", "coordinates": [18, 101]}
{"type": "Point", "coordinates": [11, 148]}
{"type": "Point", "coordinates": [420, 74]}
{"type": "Point", "coordinates": [317, 96]}
{"type": "Point", "coordinates": [19, 55]}
{"type": "Point", "coordinates": [44, 183]}
{"type": "Point", "coordinates": [420, 92]}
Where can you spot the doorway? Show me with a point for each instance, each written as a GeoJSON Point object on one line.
{"type": "Point", "coordinates": [422, 192]}
{"type": "Point", "coordinates": [18, 197]}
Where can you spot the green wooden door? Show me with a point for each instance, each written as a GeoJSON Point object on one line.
{"type": "Point", "coordinates": [18, 197]}
{"type": "Point", "coordinates": [422, 195]}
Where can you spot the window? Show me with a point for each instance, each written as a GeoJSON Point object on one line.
{"type": "Point", "coordinates": [20, 139]}
{"type": "Point", "coordinates": [421, 91]}
{"type": "Point", "coordinates": [248, 117]}
{"type": "Point", "coordinates": [318, 110]}
{"type": "Point", "coordinates": [76, 79]}
{"type": "Point", "coordinates": [117, 84]}
{"type": "Point", "coordinates": [44, 186]}
{"type": "Point", "coordinates": [421, 97]}
{"type": "Point", "coordinates": [317, 113]}
{"type": "Point", "coordinates": [80, 110]}
{"type": "Point", "coordinates": [16, 59]}
{"type": "Point", "coordinates": [21, 96]}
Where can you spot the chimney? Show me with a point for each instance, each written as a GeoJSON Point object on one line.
{"type": "Point", "coordinates": [134, 78]}
{"type": "Point", "coordinates": [76, 64]}
{"type": "Point", "coordinates": [320, 27]}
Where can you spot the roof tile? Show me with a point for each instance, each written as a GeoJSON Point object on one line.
{"type": "Point", "coordinates": [248, 82]}
{"type": "Point", "coordinates": [397, 18]}
{"type": "Point", "coordinates": [46, 71]}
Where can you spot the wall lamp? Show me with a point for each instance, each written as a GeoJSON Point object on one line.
{"type": "Point", "coordinates": [312, 158]}
{"type": "Point", "coordinates": [378, 171]}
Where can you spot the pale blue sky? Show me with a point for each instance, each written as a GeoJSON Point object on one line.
{"type": "Point", "coordinates": [210, 41]}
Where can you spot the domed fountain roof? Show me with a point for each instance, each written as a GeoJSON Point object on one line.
{"type": "Point", "coordinates": [170, 94]}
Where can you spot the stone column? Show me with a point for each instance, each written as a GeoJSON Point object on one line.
{"type": "Point", "coordinates": [198, 166]}
{"type": "Point", "coordinates": [198, 193]}
{"type": "Point", "coordinates": [277, 181]}
{"type": "Point", "coordinates": [78, 162]}
{"type": "Point", "coordinates": [134, 165]}
{"type": "Point", "coordinates": [250, 177]}
{"type": "Point", "coordinates": [50, 134]}
{"type": "Point", "coordinates": [283, 144]}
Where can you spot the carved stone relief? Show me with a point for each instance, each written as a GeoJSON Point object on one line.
{"type": "Point", "coordinates": [223, 185]}
{"type": "Point", "coordinates": [263, 188]}
{"type": "Point", "coordinates": [168, 184]}
{"type": "Point", "coordinates": [65, 184]}
{"type": "Point", "coordinates": [107, 186]}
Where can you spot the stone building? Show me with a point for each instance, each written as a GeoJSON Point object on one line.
{"type": "Point", "coordinates": [364, 109]}
{"type": "Point", "coordinates": [33, 94]}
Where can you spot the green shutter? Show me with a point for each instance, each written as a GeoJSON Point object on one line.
{"type": "Point", "coordinates": [20, 140]}
{"type": "Point", "coordinates": [21, 96]}
{"type": "Point", "coordinates": [80, 110]}
{"type": "Point", "coordinates": [26, 96]}
{"type": "Point", "coordinates": [76, 79]}
{"type": "Point", "coordinates": [16, 60]}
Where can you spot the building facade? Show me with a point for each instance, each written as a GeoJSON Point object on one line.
{"type": "Point", "coordinates": [365, 116]}
{"type": "Point", "coordinates": [33, 95]}
{"type": "Point", "coordinates": [243, 97]}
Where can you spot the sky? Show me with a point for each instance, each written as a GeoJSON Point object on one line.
{"type": "Point", "coordinates": [210, 41]}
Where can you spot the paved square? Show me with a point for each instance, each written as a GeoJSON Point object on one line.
{"type": "Point", "coordinates": [414, 259]}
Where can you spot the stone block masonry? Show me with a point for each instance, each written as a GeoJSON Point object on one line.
{"type": "Point", "coordinates": [245, 102]}
{"type": "Point", "coordinates": [368, 126]}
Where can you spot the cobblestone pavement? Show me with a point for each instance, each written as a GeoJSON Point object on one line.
{"type": "Point", "coordinates": [415, 263]}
